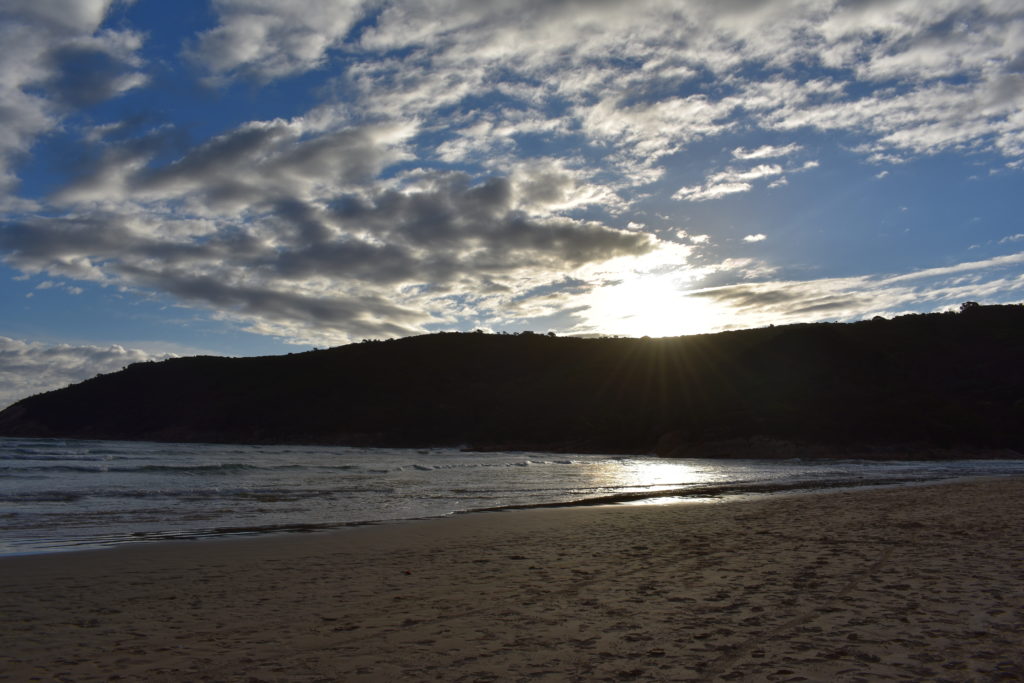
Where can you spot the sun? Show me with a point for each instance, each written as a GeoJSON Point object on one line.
{"type": "Point", "coordinates": [653, 305]}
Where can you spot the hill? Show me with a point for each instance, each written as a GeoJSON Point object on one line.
{"type": "Point", "coordinates": [933, 381]}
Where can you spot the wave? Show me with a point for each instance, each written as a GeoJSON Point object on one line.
{"type": "Point", "coordinates": [42, 497]}
{"type": "Point", "coordinates": [476, 465]}
{"type": "Point", "coordinates": [223, 468]}
{"type": "Point", "coordinates": [46, 458]}
{"type": "Point", "coordinates": [265, 495]}
{"type": "Point", "coordinates": [709, 491]}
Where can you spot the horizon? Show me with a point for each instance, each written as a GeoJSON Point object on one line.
{"type": "Point", "coordinates": [236, 177]}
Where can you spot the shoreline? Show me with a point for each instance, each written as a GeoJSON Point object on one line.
{"type": "Point", "coordinates": [700, 493]}
{"type": "Point", "coordinates": [914, 581]}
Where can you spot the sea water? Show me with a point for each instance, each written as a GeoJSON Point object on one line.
{"type": "Point", "coordinates": [58, 494]}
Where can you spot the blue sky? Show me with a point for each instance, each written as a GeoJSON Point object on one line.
{"type": "Point", "coordinates": [245, 177]}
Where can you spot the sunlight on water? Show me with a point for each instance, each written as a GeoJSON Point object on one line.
{"type": "Point", "coordinates": [60, 494]}
{"type": "Point", "coordinates": [656, 475]}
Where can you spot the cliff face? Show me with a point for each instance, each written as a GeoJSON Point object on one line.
{"type": "Point", "coordinates": [940, 380]}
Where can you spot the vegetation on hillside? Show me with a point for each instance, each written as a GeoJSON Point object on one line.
{"type": "Point", "coordinates": [939, 380]}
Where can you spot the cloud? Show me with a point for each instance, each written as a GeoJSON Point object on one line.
{"type": "Point", "coordinates": [969, 266]}
{"type": "Point", "coordinates": [54, 60]}
{"type": "Point", "coordinates": [615, 72]}
{"type": "Point", "coordinates": [751, 304]}
{"type": "Point", "coordinates": [257, 162]}
{"type": "Point", "coordinates": [28, 368]}
{"type": "Point", "coordinates": [50, 284]}
{"type": "Point", "coordinates": [545, 186]}
{"type": "Point", "coordinates": [693, 239]}
{"type": "Point", "coordinates": [86, 72]}
{"type": "Point", "coordinates": [612, 75]}
{"type": "Point", "coordinates": [734, 181]}
{"type": "Point", "coordinates": [755, 238]}
{"type": "Point", "coordinates": [765, 152]}
{"type": "Point", "coordinates": [699, 193]}
{"type": "Point", "coordinates": [268, 39]}
{"type": "Point", "coordinates": [729, 181]}
{"type": "Point", "coordinates": [655, 129]}
{"type": "Point", "coordinates": [350, 220]}
{"type": "Point", "coordinates": [335, 266]}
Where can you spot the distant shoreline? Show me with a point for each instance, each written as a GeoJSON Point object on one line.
{"type": "Point", "coordinates": [941, 385]}
{"type": "Point", "coordinates": [753, 448]}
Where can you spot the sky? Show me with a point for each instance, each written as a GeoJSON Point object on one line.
{"type": "Point", "coordinates": [253, 177]}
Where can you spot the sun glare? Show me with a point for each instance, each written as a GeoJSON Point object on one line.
{"type": "Point", "coordinates": [652, 305]}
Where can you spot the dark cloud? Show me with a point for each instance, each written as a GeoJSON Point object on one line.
{"type": "Point", "coordinates": [57, 243]}
{"type": "Point", "coordinates": [339, 267]}
{"type": "Point", "coordinates": [379, 264]}
{"type": "Point", "coordinates": [746, 296]}
{"type": "Point", "coordinates": [452, 231]}
{"type": "Point", "coordinates": [269, 162]}
{"type": "Point", "coordinates": [55, 60]}
{"type": "Point", "coordinates": [211, 160]}
{"type": "Point", "coordinates": [479, 223]}
{"type": "Point", "coordinates": [830, 304]}
{"type": "Point", "coordinates": [84, 76]}
{"type": "Point", "coordinates": [354, 316]}
{"type": "Point", "coordinates": [786, 300]}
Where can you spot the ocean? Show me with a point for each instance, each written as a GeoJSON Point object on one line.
{"type": "Point", "coordinates": [60, 495]}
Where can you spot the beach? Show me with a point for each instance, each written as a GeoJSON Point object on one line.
{"type": "Point", "coordinates": [902, 583]}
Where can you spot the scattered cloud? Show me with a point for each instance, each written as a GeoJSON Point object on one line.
{"type": "Point", "coordinates": [855, 298]}
{"type": "Point", "coordinates": [733, 181]}
{"type": "Point", "coordinates": [700, 193]}
{"type": "Point", "coordinates": [464, 162]}
{"type": "Point", "coordinates": [765, 152]}
{"type": "Point", "coordinates": [729, 181]}
{"type": "Point", "coordinates": [56, 59]}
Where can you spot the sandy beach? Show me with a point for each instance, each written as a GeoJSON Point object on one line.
{"type": "Point", "coordinates": [915, 583]}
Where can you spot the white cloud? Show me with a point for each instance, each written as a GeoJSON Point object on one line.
{"type": "Point", "coordinates": [765, 151]}
{"type": "Point", "coordinates": [653, 130]}
{"type": "Point", "coordinates": [734, 181]}
{"type": "Point", "coordinates": [759, 237]}
{"type": "Point", "coordinates": [969, 266]}
{"type": "Point", "coordinates": [752, 304]}
{"type": "Point", "coordinates": [269, 39]}
{"type": "Point", "coordinates": [608, 61]}
{"type": "Point", "coordinates": [699, 193]}
{"type": "Point", "coordinates": [28, 368]}
{"type": "Point", "coordinates": [729, 181]}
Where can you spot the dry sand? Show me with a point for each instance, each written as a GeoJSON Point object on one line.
{"type": "Point", "coordinates": [922, 583]}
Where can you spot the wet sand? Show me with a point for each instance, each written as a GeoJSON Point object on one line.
{"type": "Point", "coordinates": [917, 583]}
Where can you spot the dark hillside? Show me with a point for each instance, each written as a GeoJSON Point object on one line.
{"type": "Point", "coordinates": [939, 380]}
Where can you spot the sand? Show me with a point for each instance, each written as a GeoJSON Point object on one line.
{"type": "Point", "coordinates": [919, 583]}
